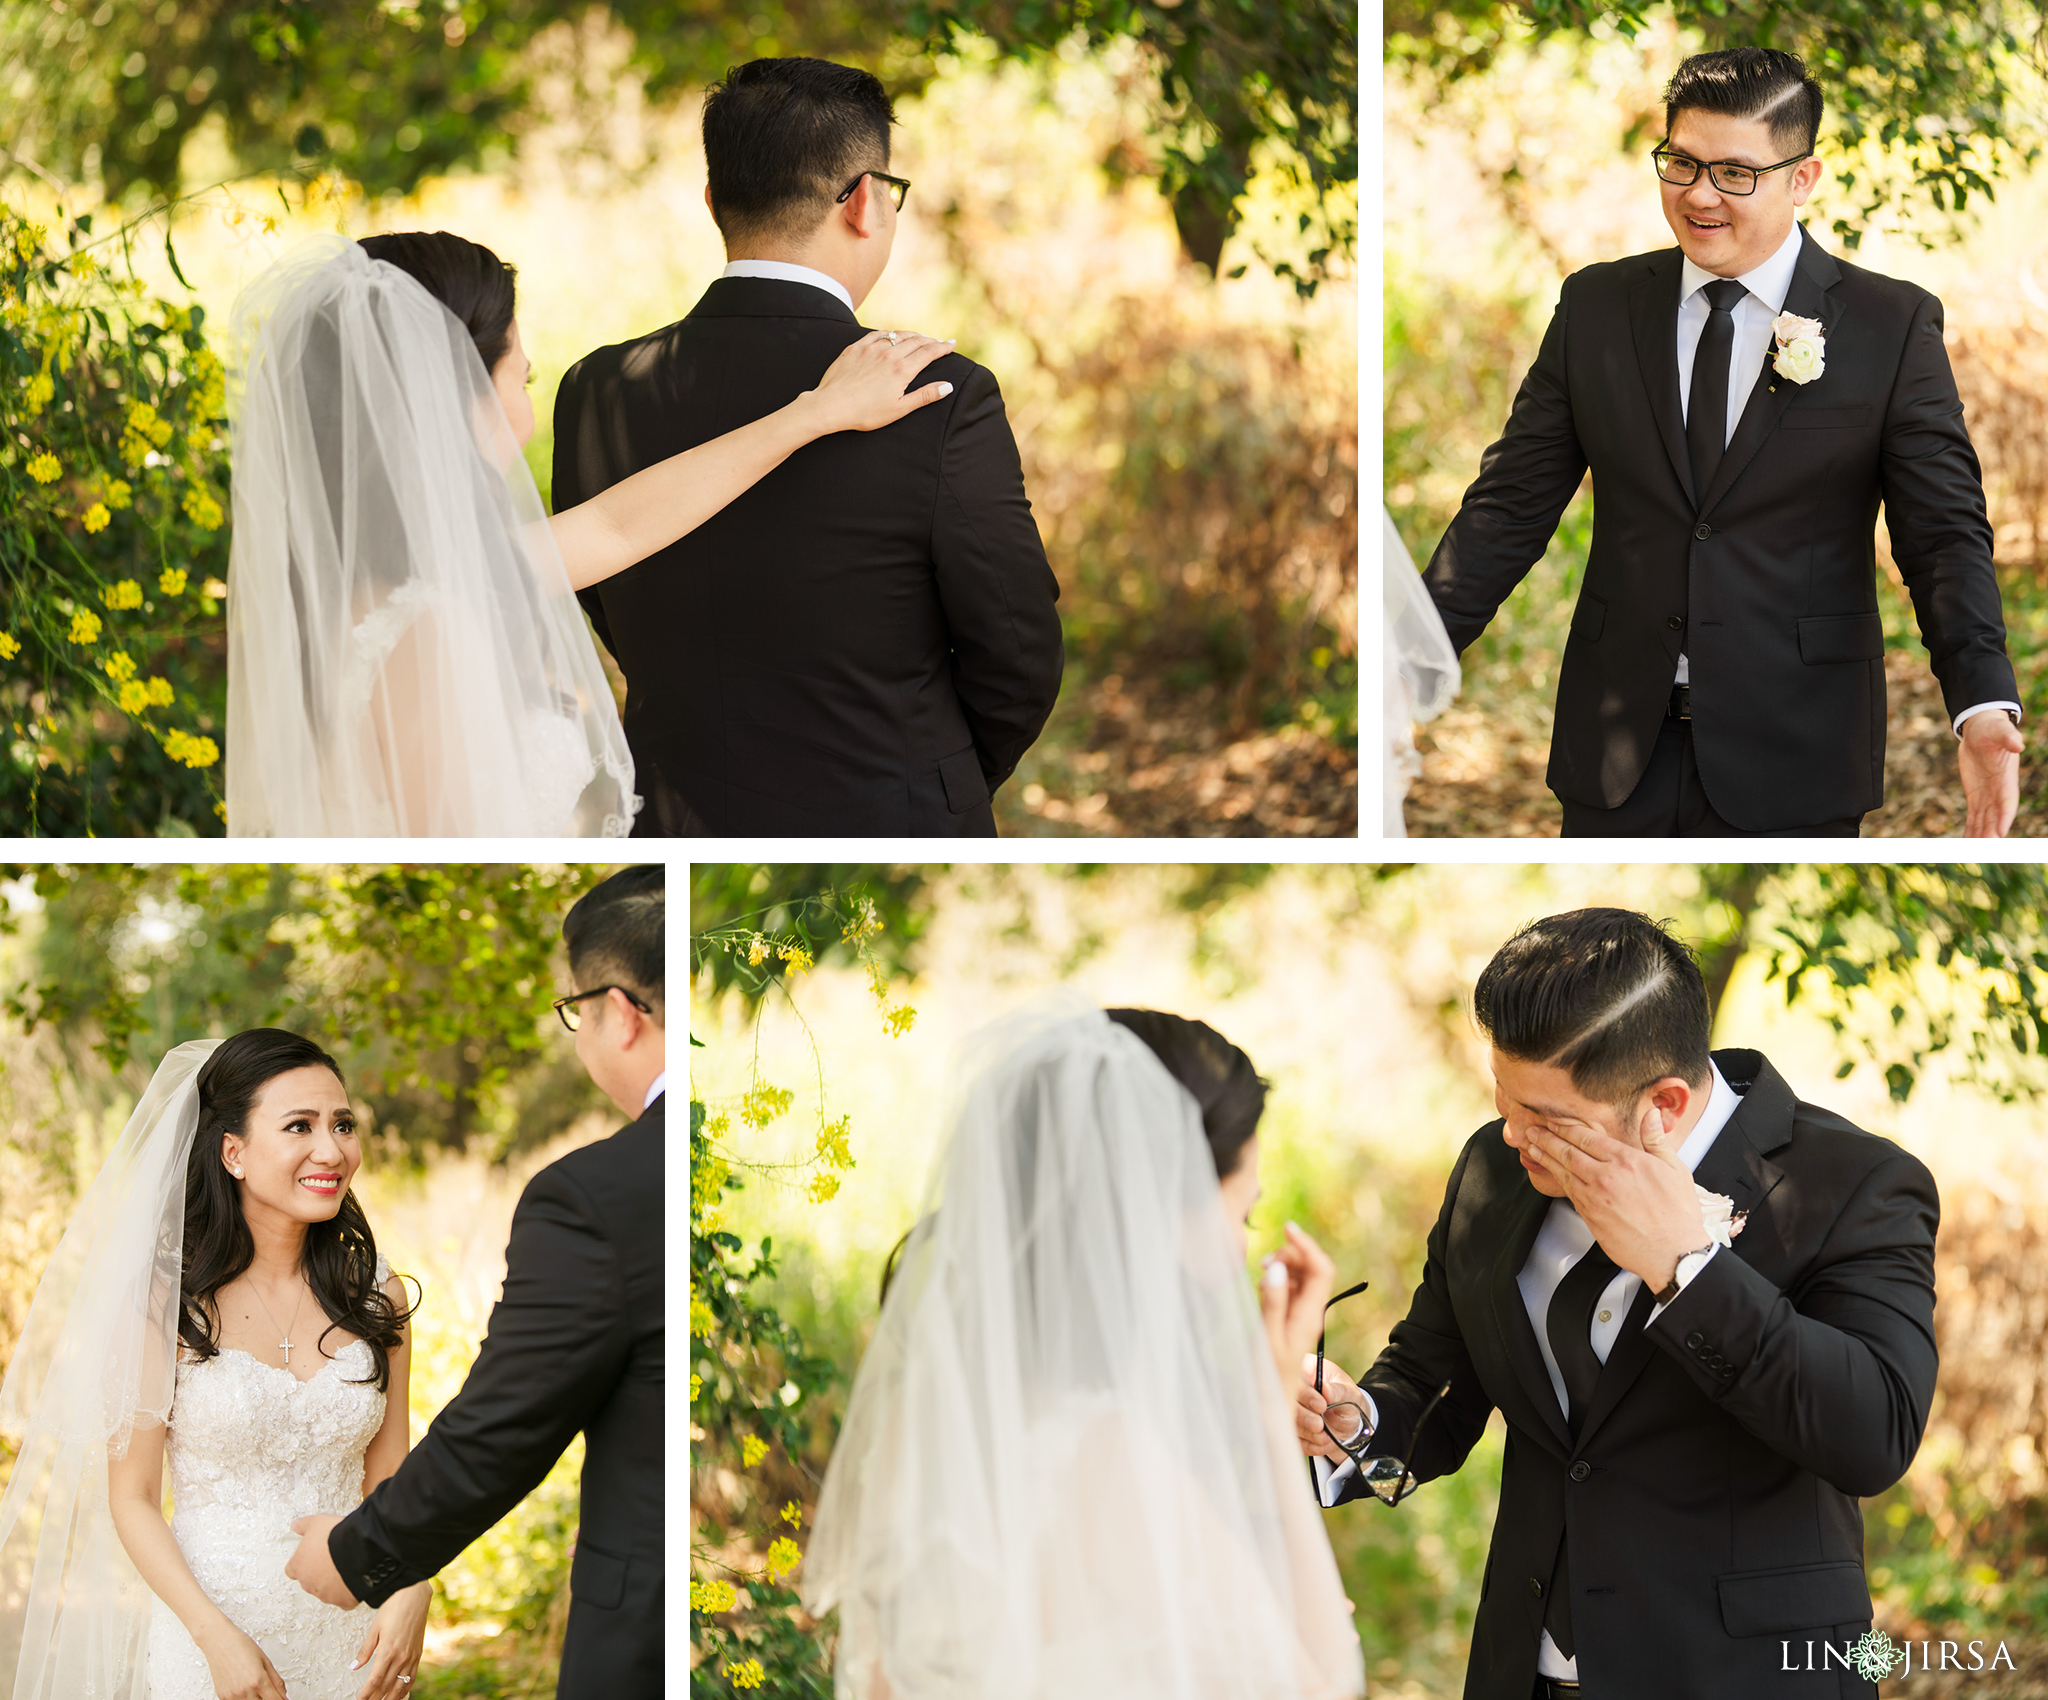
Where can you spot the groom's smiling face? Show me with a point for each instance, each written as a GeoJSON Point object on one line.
{"type": "Point", "coordinates": [1729, 235]}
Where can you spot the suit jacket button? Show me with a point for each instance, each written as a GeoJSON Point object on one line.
{"type": "Point", "coordinates": [1581, 1470]}
{"type": "Point", "coordinates": [1676, 623]}
{"type": "Point", "coordinates": [1694, 1340]}
{"type": "Point", "coordinates": [1705, 531]}
{"type": "Point", "coordinates": [1536, 1586]}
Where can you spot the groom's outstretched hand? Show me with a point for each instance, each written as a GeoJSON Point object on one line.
{"type": "Point", "coordinates": [1989, 757]}
{"type": "Point", "coordinates": [312, 1566]}
{"type": "Point", "coordinates": [1640, 1203]}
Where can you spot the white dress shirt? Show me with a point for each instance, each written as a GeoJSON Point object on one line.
{"type": "Point", "coordinates": [1560, 1242]}
{"type": "Point", "coordinates": [788, 273]}
{"type": "Point", "coordinates": [655, 1088]}
{"type": "Point", "coordinates": [1768, 285]}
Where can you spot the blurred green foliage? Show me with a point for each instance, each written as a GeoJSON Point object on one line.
{"type": "Point", "coordinates": [393, 94]}
{"type": "Point", "coordinates": [113, 493]}
{"type": "Point", "coordinates": [431, 983]}
{"type": "Point", "coordinates": [804, 900]}
{"type": "Point", "coordinates": [1950, 95]}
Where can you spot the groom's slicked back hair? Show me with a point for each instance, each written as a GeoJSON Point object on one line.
{"type": "Point", "coordinates": [1607, 995]}
{"type": "Point", "coordinates": [1752, 83]}
{"type": "Point", "coordinates": [782, 137]}
{"type": "Point", "coordinates": [615, 934]}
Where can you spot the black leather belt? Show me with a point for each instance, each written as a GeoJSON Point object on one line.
{"type": "Point", "coordinates": [1548, 1687]}
{"type": "Point", "coordinates": [1679, 707]}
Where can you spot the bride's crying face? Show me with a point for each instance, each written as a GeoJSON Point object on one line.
{"type": "Point", "coordinates": [510, 377]}
{"type": "Point", "coordinates": [298, 1151]}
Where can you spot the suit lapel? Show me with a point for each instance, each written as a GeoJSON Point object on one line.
{"type": "Point", "coordinates": [1815, 274]}
{"type": "Point", "coordinates": [1653, 317]}
{"type": "Point", "coordinates": [1512, 1329]}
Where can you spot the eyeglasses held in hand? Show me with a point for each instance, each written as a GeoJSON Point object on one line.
{"type": "Point", "coordinates": [1729, 176]}
{"type": "Point", "coordinates": [899, 188]}
{"type": "Point", "coordinates": [1345, 1422]}
{"type": "Point", "coordinates": [572, 1017]}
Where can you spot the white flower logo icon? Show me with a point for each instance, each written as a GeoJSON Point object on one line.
{"type": "Point", "coordinates": [1874, 1654]}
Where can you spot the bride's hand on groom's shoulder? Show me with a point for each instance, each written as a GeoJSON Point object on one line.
{"type": "Point", "coordinates": [864, 389]}
{"type": "Point", "coordinates": [1294, 1287]}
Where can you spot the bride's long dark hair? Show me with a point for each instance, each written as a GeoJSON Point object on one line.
{"type": "Point", "coordinates": [340, 1256]}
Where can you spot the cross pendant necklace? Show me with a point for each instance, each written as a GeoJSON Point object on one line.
{"type": "Point", "coordinates": [284, 1345]}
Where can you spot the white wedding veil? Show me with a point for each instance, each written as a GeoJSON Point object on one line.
{"type": "Point", "coordinates": [405, 656]}
{"type": "Point", "coordinates": [97, 1358]}
{"type": "Point", "coordinates": [1421, 673]}
{"type": "Point", "coordinates": [1068, 1470]}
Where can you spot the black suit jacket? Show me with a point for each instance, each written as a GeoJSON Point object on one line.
{"type": "Point", "coordinates": [865, 642]}
{"type": "Point", "coordinates": [575, 1343]}
{"type": "Point", "coordinates": [1710, 1499]}
{"type": "Point", "coordinates": [1767, 580]}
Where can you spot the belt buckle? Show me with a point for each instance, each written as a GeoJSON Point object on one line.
{"type": "Point", "coordinates": [1680, 706]}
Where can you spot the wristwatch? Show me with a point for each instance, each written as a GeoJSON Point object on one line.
{"type": "Point", "coordinates": [1688, 1266]}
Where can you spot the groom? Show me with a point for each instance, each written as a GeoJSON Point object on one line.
{"type": "Point", "coordinates": [1724, 674]}
{"type": "Point", "coordinates": [1691, 1417]}
{"type": "Point", "coordinates": [865, 642]}
{"type": "Point", "coordinates": [575, 1343]}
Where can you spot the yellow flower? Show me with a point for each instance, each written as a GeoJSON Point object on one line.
{"type": "Point", "coordinates": [793, 1515]}
{"type": "Point", "coordinates": [159, 690]}
{"type": "Point", "coordinates": [762, 1103]}
{"type": "Point", "coordinates": [9, 649]}
{"type": "Point", "coordinates": [119, 495]}
{"type": "Point", "coordinates": [124, 594]}
{"type": "Point", "coordinates": [713, 1596]}
{"type": "Point", "coordinates": [84, 265]}
{"type": "Point", "coordinates": [832, 1143]}
{"type": "Point", "coordinates": [897, 1021]}
{"type": "Point", "coordinates": [746, 1674]}
{"type": "Point", "coordinates": [824, 1188]}
{"type": "Point", "coordinates": [696, 1386]}
{"type": "Point", "coordinates": [29, 240]}
{"type": "Point", "coordinates": [757, 951]}
{"type": "Point", "coordinates": [798, 958]}
{"type": "Point", "coordinates": [172, 581]}
{"type": "Point", "coordinates": [702, 1323]}
{"type": "Point", "coordinates": [95, 517]}
{"type": "Point", "coordinates": [134, 696]}
{"type": "Point", "coordinates": [120, 666]}
{"type": "Point", "coordinates": [45, 468]}
{"type": "Point", "coordinates": [38, 392]}
{"type": "Point", "coordinates": [146, 431]}
{"type": "Point", "coordinates": [202, 509]}
{"type": "Point", "coordinates": [752, 1451]}
{"type": "Point", "coordinates": [193, 752]}
{"type": "Point", "coordinates": [783, 1557]}
{"type": "Point", "coordinates": [719, 1125]}
{"type": "Point", "coordinates": [85, 626]}
{"type": "Point", "coordinates": [209, 384]}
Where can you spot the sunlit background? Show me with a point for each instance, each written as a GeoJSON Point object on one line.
{"type": "Point", "coordinates": [1349, 988]}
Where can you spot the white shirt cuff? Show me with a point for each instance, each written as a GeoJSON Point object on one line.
{"type": "Point", "coordinates": [1685, 1280]}
{"type": "Point", "coordinates": [1330, 1478]}
{"type": "Point", "coordinates": [1982, 708]}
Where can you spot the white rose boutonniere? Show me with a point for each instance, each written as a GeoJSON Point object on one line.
{"type": "Point", "coordinates": [1802, 350]}
{"type": "Point", "coordinates": [1717, 1216]}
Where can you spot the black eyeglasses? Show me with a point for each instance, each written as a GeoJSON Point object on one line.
{"type": "Point", "coordinates": [1729, 176]}
{"type": "Point", "coordinates": [572, 1017]}
{"type": "Point", "coordinates": [899, 187]}
{"type": "Point", "coordinates": [1392, 1479]}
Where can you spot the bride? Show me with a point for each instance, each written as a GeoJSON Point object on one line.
{"type": "Point", "coordinates": [1067, 1469]}
{"type": "Point", "coordinates": [405, 656]}
{"type": "Point", "coordinates": [217, 1304]}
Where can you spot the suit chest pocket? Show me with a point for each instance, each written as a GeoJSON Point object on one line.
{"type": "Point", "coordinates": [1824, 418]}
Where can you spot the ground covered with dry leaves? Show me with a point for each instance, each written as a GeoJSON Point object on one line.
{"type": "Point", "coordinates": [1127, 758]}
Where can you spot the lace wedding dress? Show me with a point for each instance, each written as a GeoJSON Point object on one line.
{"type": "Point", "coordinates": [251, 1446]}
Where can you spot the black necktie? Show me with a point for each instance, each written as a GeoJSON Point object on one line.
{"type": "Point", "coordinates": [1569, 1323]}
{"type": "Point", "coordinates": [1706, 410]}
